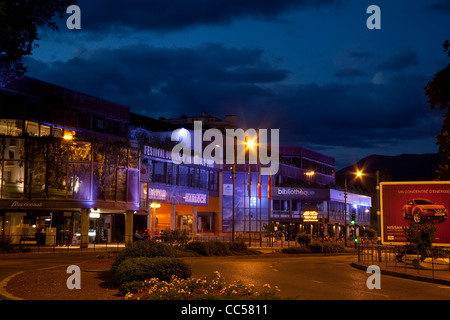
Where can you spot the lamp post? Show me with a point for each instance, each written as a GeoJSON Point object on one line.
{"type": "Point", "coordinates": [345, 212]}
{"type": "Point", "coordinates": [250, 145]}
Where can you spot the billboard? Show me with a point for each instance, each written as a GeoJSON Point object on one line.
{"type": "Point", "coordinates": [402, 203]}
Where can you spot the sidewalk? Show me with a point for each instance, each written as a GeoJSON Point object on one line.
{"type": "Point", "coordinates": [408, 271]}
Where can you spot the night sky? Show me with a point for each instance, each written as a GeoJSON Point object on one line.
{"type": "Point", "coordinates": [309, 68]}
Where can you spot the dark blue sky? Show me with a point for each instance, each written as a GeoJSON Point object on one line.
{"type": "Point", "coordinates": [309, 68]}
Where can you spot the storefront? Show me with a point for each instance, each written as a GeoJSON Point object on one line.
{"type": "Point", "coordinates": [60, 223]}
{"type": "Point", "coordinates": [320, 212]}
{"type": "Point", "coordinates": [178, 196]}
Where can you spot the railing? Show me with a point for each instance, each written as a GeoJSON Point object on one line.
{"type": "Point", "coordinates": [434, 262]}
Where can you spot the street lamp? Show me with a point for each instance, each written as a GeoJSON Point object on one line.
{"type": "Point", "coordinates": [250, 144]}
{"type": "Point", "coordinates": [358, 174]}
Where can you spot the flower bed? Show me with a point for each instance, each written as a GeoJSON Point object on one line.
{"type": "Point", "coordinates": [212, 287]}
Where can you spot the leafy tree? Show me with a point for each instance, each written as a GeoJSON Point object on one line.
{"type": "Point", "coordinates": [438, 93]}
{"type": "Point", "coordinates": [420, 237]}
{"type": "Point", "coordinates": [19, 23]}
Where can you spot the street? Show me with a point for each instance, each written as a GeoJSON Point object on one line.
{"type": "Point", "coordinates": [316, 278]}
{"type": "Point", "coordinates": [297, 277]}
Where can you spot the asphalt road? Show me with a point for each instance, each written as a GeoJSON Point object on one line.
{"type": "Point", "coordinates": [317, 278]}
{"type": "Point", "coordinates": [298, 277]}
{"type": "Point", "coordinates": [12, 263]}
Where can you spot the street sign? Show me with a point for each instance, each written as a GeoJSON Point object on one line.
{"type": "Point", "coordinates": [417, 202]}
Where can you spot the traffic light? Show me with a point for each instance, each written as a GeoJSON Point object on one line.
{"type": "Point", "coordinates": [353, 218]}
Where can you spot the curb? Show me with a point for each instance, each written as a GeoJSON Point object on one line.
{"type": "Point", "coordinates": [5, 295]}
{"type": "Point", "coordinates": [404, 275]}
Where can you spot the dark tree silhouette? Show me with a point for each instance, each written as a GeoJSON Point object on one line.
{"type": "Point", "coordinates": [438, 93]}
{"type": "Point", "coordinates": [19, 23]}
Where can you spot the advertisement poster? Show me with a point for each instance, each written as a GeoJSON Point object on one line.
{"type": "Point", "coordinates": [416, 202]}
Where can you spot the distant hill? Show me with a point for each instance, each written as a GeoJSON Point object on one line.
{"type": "Point", "coordinates": [405, 167]}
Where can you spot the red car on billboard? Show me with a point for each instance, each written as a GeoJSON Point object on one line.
{"type": "Point", "coordinates": [421, 210]}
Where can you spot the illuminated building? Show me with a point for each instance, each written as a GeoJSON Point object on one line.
{"type": "Point", "coordinates": [68, 172]}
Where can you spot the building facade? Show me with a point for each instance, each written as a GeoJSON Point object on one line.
{"type": "Point", "coordinates": [76, 169]}
{"type": "Point", "coordinates": [68, 173]}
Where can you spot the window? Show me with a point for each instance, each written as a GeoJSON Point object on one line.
{"type": "Point", "coordinates": [79, 178]}
{"type": "Point", "coordinates": [11, 127]}
{"type": "Point", "coordinates": [45, 131]}
{"type": "Point", "coordinates": [98, 183]}
{"type": "Point", "coordinates": [158, 172]}
{"type": "Point", "coordinates": [32, 128]}
{"type": "Point", "coordinates": [121, 184]}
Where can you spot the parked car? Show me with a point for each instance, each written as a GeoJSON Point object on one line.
{"type": "Point", "coordinates": [421, 210]}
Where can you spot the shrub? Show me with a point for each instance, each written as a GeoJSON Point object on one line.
{"type": "Point", "coordinates": [175, 237]}
{"type": "Point", "coordinates": [219, 248]}
{"type": "Point", "coordinates": [143, 268]}
{"type": "Point", "coordinates": [5, 244]}
{"type": "Point", "coordinates": [144, 248]}
{"type": "Point", "coordinates": [326, 247]}
{"type": "Point", "coordinates": [296, 250]}
{"type": "Point", "coordinates": [304, 238]}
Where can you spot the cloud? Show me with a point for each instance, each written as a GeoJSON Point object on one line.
{"type": "Point", "coordinates": [220, 80]}
{"type": "Point", "coordinates": [441, 6]}
{"type": "Point", "coordinates": [164, 80]}
{"type": "Point", "coordinates": [161, 15]}
{"type": "Point", "coordinates": [349, 73]}
{"type": "Point", "coordinates": [400, 61]}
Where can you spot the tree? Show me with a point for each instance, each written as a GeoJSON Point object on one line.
{"type": "Point", "coordinates": [438, 93]}
{"type": "Point", "coordinates": [420, 237]}
{"type": "Point", "coordinates": [19, 23]}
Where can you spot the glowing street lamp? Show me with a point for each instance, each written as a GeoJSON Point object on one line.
{"type": "Point", "coordinates": [250, 145]}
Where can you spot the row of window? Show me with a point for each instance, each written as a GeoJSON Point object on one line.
{"type": "Point", "coordinates": [181, 175]}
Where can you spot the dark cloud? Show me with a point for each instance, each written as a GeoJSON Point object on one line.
{"type": "Point", "coordinates": [441, 6]}
{"type": "Point", "coordinates": [162, 15]}
{"type": "Point", "coordinates": [349, 73]}
{"type": "Point", "coordinates": [361, 55]}
{"type": "Point", "coordinates": [400, 61]}
{"type": "Point", "coordinates": [162, 82]}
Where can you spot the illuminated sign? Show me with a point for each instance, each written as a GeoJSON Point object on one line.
{"type": "Point", "coordinates": [310, 216]}
{"type": "Point", "coordinates": [404, 203]}
{"type": "Point", "coordinates": [178, 195]}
